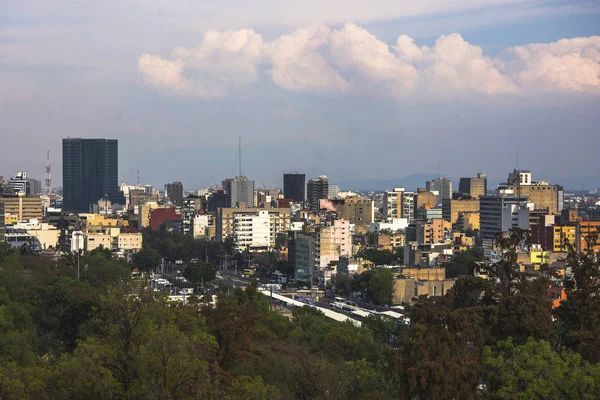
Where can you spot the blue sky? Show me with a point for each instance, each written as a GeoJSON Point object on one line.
{"type": "Point", "coordinates": [337, 87]}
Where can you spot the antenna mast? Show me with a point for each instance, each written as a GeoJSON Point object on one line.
{"type": "Point", "coordinates": [48, 175]}
{"type": "Point", "coordinates": [240, 155]}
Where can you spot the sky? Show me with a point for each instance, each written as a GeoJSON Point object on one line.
{"type": "Point", "coordinates": [347, 88]}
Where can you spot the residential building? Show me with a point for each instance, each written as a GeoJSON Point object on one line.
{"type": "Point", "coordinates": [240, 192]}
{"type": "Point", "coordinates": [302, 255]}
{"type": "Point", "coordinates": [424, 199]}
{"type": "Point", "coordinates": [467, 220]}
{"type": "Point", "coordinates": [392, 203]}
{"type": "Point", "coordinates": [252, 231]}
{"type": "Point", "coordinates": [441, 185]}
{"type": "Point", "coordinates": [2, 221]}
{"type": "Point", "coordinates": [192, 205]}
{"type": "Point", "coordinates": [498, 214]}
{"type": "Point", "coordinates": [46, 234]}
{"type": "Point", "coordinates": [316, 189]}
{"type": "Point", "coordinates": [406, 290]}
{"type": "Point", "coordinates": [451, 208]}
{"type": "Point", "coordinates": [333, 192]}
{"type": "Point", "coordinates": [473, 187]}
{"type": "Point", "coordinates": [433, 231]}
{"type": "Point", "coordinates": [294, 187]}
{"type": "Point", "coordinates": [585, 235]}
{"type": "Point", "coordinates": [359, 211]}
{"type": "Point", "coordinates": [397, 224]}
{"type": "Point", "coordinates": [174, 192]}
{"type": "Point", "coordinates": [226, 225]}
{"type": "Point", "coordinates": [201, 226]}
{"type": "Point", "coordinates": [18, 208]}
{"type": "Point", "coordinates": [90, 173]}
{"type": "Point", "coordinates": [334, 240]}
{"type": "Point", "coordinates": [169, 216]}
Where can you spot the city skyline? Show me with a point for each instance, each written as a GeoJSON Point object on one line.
{"type": "Point", "coordinates": [321, 90]}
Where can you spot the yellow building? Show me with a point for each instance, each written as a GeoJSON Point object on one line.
{"type": "Point", "coordinates": [467, 220]}
{"type": "Point", "coordinates": [563, 235]}
{"type": "Point", "coordinates": [21, 208]}
{"type": "Point", "coordinates": [407, 289]}
{"type": "Point", "coordinates": [451, 208]}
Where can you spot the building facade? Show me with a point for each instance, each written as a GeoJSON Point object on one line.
{"type": "Point", "coordinates": [473, 187]}
{"type": "Point", "coordinates": [226, 225]}
{"type": "Point", "coordinates": [90, 173]}
{"type": "Point", "coordinates": [240, 192]}
{"type": "Point", "coordinates": [498, 214]}
{"type": "Point", "coordinates": [294, 187]}
{"type": "Point", "coordinates": [316, 189]}
{"type": "Point", "coordinates": [174, 192]}
{"type": "Point", "coordinates": [443, 186]}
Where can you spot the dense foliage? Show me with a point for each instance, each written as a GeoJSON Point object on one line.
{"type": "Point", "coordinates": [108, 337]}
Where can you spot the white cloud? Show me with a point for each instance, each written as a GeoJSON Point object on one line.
{"type": "Point", "coordinates": [223, 62]}
{"type": "Point", "coordinates": [566, 65]}
{"type": "Point", "coordinates": [455, 66]}
{"type": "Point", "coordinates": [298, 62]}
{"type": "Point", "coordinates": [352, 60]}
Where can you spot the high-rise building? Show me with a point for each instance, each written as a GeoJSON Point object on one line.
{"type": "Point", "coordinates": [294, 186]}
{"type": "Point", "coordinates": [316, 189]}
{"type": "Point", "coordinates": [90, 173]}
{"type": "Point", "coordinates": [399, 204]}
{"type": "Point", "coordinates": [174, 191]}
{"type": "Point", "coordinates": [473, 187]}
{"type": "Point", "coordinates": [441, 185]}
{"type": "Point", "coordinates": [240, 192]}
{"type": "Point", "coordinates": [498, 214]}
{"type": "Point", "coordinates": [543, 195]}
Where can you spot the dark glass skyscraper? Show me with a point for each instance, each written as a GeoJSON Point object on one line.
{"type": "Point", "coordinates": [294, 186]}
{"type": "Point", "coordinates": [90, 173]}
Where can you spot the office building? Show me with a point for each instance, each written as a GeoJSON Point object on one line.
{"type": "Point", "coordinates": [473, 187]}
{"type": "Point", "coordinates": [302, 255]}
{"type": "Point", "coordinates": [90, 173]}
{"type": "Point", "coordinates": [316, 189]}
{"type": "Point", "coordinates": [174, 192]}
{"type": "Point", "coordinates": [498, 214]}
{"type": "Point", "coordinates": [294, 187]}
{"type": "Point", "coordinates": [240, 192]}
{"type": "Point", "coordinates": [21, 183]}
{"type": "Point", "coordinates": [333, 192]}
{"type": "Point", "coordinates": [443, 186]}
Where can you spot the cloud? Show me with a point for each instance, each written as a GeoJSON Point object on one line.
{"type": "Point", "coordinates": [352, 60]}
{"type": "Point", "coordinates": [566, 65]}
{"type": "Point", "coordinates": [224, 61]}
{"type": "Point", "coordinates": [298, 62]}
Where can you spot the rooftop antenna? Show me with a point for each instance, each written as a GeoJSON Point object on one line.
{"type": "Point", "coordinates": [48, 175]}
{"type": "Point", "coordinates": [517, 160]}
{"type": "Point", "coordinates": [138, 177]}
{"type": "Point", "coordinates": [240, 155]}
{"type": "Point", "coordinates": [439, 174]}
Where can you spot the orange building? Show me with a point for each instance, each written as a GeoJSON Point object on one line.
{"type": "Point", "coordinates": [585, 232]}
{"type": "Point", "coordinates": [556, 294]}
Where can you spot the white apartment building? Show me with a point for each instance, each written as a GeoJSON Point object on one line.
{"type": "Point", "coordinates": [252, 231]}
{"type": "Point", "coordinates": [200, 226]}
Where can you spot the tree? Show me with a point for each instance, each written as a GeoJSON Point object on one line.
{"type": "Point", "coordinates": [380, 286]}
{"type": "Point", "coordinates": [147, 259]}
{"type": "Point", "coordinates": [200, 272]}
{"type": "Point", "coordinates": [534, 371]}
{"type": "Point", "coordinates": [579, 314]}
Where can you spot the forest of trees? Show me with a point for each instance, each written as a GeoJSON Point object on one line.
{"type": "Point", "coordinates": [108, 337]}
